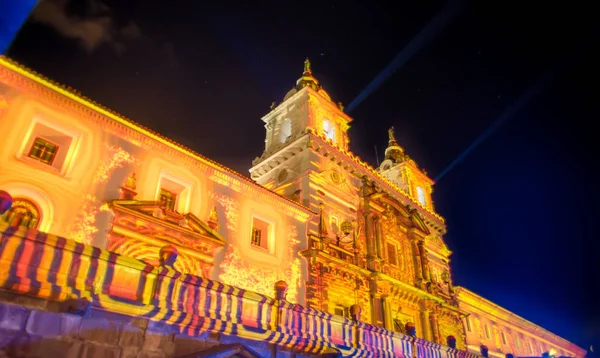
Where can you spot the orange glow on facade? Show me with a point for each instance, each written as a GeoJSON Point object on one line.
{"type": "Point", "coordinates": [341, 234]}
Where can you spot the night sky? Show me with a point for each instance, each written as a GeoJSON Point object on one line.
{"type": "Point", "coordinates": [520, 207]}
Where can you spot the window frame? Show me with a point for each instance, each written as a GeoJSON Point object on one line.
{"type": "Point", "coordinates": [181, 188]}
{"type": "Point", "coordinates": [170, 205]}
{"type": "Point", "coordinates": [329, 129]}
{"type": "Point", "coordinates": [67, 145]}
{"type": "Point", "coordinates": [421, 195]}
{"type": "Point", "coordinates": [270, 234]}
{"type": "Point", "coordinates": [45, 144]}
{"type": "Point", "coordinates": [287, 122]}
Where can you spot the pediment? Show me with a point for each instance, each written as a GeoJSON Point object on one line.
{"type": "Point", "coordinates": [419, 223]}
{"type": "Point", "coordinates": [173, 225]}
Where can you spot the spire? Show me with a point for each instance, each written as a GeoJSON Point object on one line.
{"type": "Point", "coordinates": [393, 151]}
{"type": "Point", "coordinates": [307, 69]}
{"type": "Point", "coordinates": [392, 141]}
{"type": "Point", "coordinates": [307, 78]}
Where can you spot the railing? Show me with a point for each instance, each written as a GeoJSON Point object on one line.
{"type": "Point", "coordinates": [58, 269]}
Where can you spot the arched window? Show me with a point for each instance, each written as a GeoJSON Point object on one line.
{"type": "Point", "coordinates": [285, 130]}
{"type": "Point", "coordinates": [328, 129]}
{"type": "Point", "coordinates": [421, 195]}
{"type": "Point", "coordinates": [22, 213]}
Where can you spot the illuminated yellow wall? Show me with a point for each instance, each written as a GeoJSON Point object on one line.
{"type": "Point", "coordinates": [105, 149]}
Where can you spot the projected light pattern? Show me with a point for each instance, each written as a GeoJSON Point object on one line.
{"type": "Point", "coordinates": [54, 268]}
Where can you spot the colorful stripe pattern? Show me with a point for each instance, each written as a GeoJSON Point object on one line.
{"type": "Point", "coordinates": [54, 268]}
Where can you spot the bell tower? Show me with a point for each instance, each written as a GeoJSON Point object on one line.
{"type": "Point", "coordinates": [306, 108]}
{"type": "Point", "coordinates": [404, 172]}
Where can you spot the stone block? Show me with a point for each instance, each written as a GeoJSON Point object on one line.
{"type": "Point", "coordinates": [151, 354]}
{"type": "Point", "coordinates": [93, 350]}
{"type": "Point", "coordinates": [75, 350]}
{"type": "Point", "coordinates": [131, 336]}
{"type": "Point", "coordinates": [139, 322]}
{"type": "Point", "coordinates": [13, 317]}
{"type": "Point", "coordinates": [159, 327]}
{"type": "Point", "coordinates": [45, 324]}
{"type": "Point", "coordinates": [158, 342]}
{"type": "Point", "coordinates": [130, 352]}
{"type": "Point", "coordinates": [6, 337]}
{"type": "Point", "coordinates": [53, 347]}
{"type": "Point", "coordinates": [23, 345]}
{"type": "Point", "coordinates": [99, 330]}
{"type": "Point", "coordinates": [185, 345]}
{"type": "Point", "coordinates": [70, 325]}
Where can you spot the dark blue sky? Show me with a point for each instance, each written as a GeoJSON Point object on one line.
{"type": "Point", "coordinates": [520, 208]}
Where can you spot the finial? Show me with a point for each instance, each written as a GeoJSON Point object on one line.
{"type": "Point", "coordinates": [341, 106]}
{"type": "Point", "coordinates": [213, 219]}
{"type": "Point", "coordinates": [130, 184]}
{"type": "Point", "coordinates": [307, 66]}
{"type": "Point", "coordinates": [391, 134]}
{"type": "Point", "coordinates": [281, 288]}
{"type": "Point", "coordinates": [273, 105]}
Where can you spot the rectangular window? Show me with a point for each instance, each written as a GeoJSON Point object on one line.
{"type": "Point", "coordinates": [260, 234]}
{"type": "Point", "coordinates": [469, 324]}
{"type": "Point", "coordinates": [504, 338]}
{"type": "Point", "coordinates": [518, 342]}
{"type": "Point", "coordinates": [167, 199]}
{"type": "Point", "coordinates": [391, 252]}
{"type": "Point", "coordinates": [341, 311]}
{"type": "Point", "coordinates": [43, 150]}
{"type": "Point", "coordinates": [49, 145]}
{"type": "Point", "coordinates": [487, 331]}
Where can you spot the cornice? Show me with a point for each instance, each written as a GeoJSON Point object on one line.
{"type": "Point", "coordinates": [356, 166]}
{"type": "Point", "coordinates": [34, 84]}
{"type": "Point", "coordinates": [263, 167]}
{"type": "Point", "coordinates": [488, 307]}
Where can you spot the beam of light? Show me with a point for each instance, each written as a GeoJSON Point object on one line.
{"type": "Point", "coordinates": [531, 92]}
{"type": "Point", "coordinates": [428, 33]}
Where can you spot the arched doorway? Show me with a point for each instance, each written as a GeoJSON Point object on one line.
{"type": "Point", "coordinates": [23, 212]}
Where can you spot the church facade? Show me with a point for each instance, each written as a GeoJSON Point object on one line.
{"type": "Point", "coordinates": [348, 239]}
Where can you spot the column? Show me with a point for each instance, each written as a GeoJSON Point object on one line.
{"type": "Point", "coordinates": [435, 331]}
{"type": "Point", "coordinates": [424, 260]}
{"type": "Point", "coordinates": [425, 325]}
{"type": "Point", "coordinates": [388, 318]}
{"type": "Point", "coordinates": [378, 238]}
{"type": "Point", "coordinates": [416, 261]}
{"type": "Point", "coordinates": [369, 237]}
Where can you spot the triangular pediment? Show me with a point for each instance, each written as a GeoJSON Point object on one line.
{"type": "Point", "coordinates": [184, 224]}
{"type": "Point", "coordinates": [419, 223]}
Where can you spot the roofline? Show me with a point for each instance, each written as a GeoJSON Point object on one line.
{"type": "Point", "coordinates": [72, 94]}
{"type": "Point", "coordinates": [465, 291]}
{"type": "Point", "coordinates": [367, 169]}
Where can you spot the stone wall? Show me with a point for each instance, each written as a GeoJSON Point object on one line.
{"type": "Point", "coordinates": [62, 298]}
